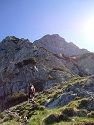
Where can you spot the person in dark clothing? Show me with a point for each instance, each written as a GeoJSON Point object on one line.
{"type": "Point", "coordinates": [31, 93]}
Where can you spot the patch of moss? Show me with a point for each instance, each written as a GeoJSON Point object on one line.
{"type": "Point", "coordinates": [84, 102]}
{"type": "Point", "coordinates": [61, 69]}
{"type": "Point", "coordinates": [50, 77]}
{"type": "Point", "coordinates": [20, 96]}
{"type": "Point", "coordinates": [70, 111]}
{"type": "Point", "coordinates": [56, 118]}
{"type": "Point", "coordinates": [85, 122]}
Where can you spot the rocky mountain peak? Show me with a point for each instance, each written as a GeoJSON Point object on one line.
{"type": "Point", "coordinates": [57, 44]}
{"type": "Point", "coordinates": [53, 37]}
{"type": "Point", "coordinates": [14, 40]}
{"type": "Point", "coordinates": [11, 38]}
{"type": "Point", "coordinates": [50, 41]}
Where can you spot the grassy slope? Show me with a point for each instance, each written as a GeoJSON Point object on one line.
{"type": "Point", "coordinates": [37, 114]}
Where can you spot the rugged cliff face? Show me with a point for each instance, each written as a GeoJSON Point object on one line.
{"type": "Point", "coordinates": [24, 63]}
{"type": "Point", "coordinates": [86, 61]}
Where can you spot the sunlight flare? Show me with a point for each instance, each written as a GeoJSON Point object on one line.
{"type": "Point", "coordinates": [89, 29]}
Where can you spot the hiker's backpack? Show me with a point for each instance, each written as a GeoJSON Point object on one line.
{"type": "Point", "coordinates": [32, 89]}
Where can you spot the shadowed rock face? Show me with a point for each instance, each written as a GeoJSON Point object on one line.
{"type": "Point", "coordinates": [24, 63]}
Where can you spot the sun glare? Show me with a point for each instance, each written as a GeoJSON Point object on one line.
{"type": "Point", "coordinates": [89, 29]}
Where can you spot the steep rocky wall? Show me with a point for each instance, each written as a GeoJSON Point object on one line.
{"type": "Point", "coordinates": [85, 62]}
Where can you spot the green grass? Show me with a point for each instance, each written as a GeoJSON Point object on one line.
{"type": "Point", "coordinates": [78, 120]}
{"type": "Point", "coordinates": [38, 116]}
{"type": "Point", "coordinates": [38, 113]}
{"type": "Point", "coordinates": [38, 119]}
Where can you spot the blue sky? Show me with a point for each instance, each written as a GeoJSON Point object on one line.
{"type": "Point", "coordinates": [32, 19]}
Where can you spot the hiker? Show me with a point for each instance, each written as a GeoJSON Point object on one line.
{"type": "Point", "coordinates": [31, 92]}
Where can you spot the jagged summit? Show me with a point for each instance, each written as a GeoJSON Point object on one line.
{"type": "Point", "coordinates": [13, 38]}
{"type": "Point", "coordinates": [57, 44]}
{"type": "Point", "coordinates": [14, 43]}
{"type": "Point", "coordinates": [53, 36]}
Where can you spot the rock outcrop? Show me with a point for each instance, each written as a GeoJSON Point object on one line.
{"type": "Point", "coordinates": [85, 61]}
{"type": "Point", "coordinates": [76, 89]}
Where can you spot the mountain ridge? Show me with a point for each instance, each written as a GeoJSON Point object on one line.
{"type": "Point", "coordinates": [57, 44]}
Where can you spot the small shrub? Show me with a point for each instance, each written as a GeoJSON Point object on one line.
{"type": "Point", "coordinates": [2, 116]}
{"type": "Point", "coordinates": [41, 107]}
{"type": "Point", "coordinates": [6, 119]}
{"type": "Point", "coordinates": [46, 59]}
{"type": "Point", "coordinates": [91, 114]}
{"type": "Point", "coordinates": [26, 112]}
{"type": "Point", "coordinates": [31, 60]}
{"type": "Point", "coordinates": [70, 111]}
{"type": "Point", "coordinates": [84, 103]}
{"type": "Point", "coordinates": [85, 123]}
{"type": "Point", "coordinates": [77, 98]}
{"type": "Point", "coordinates": [60, 69]}
{"type": "Point", "coordinates": [16, 98]}
{"type": "Point", "coordinates": [50, 77]}
{"type": "Point", "coordinates": [55, 96]}
{"type": "Point", "coordinates": [56, 118]}
{"type": "Point", "coordinates": [82, 112]}
{"type": "Point", "coordinates": [10, 116]}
